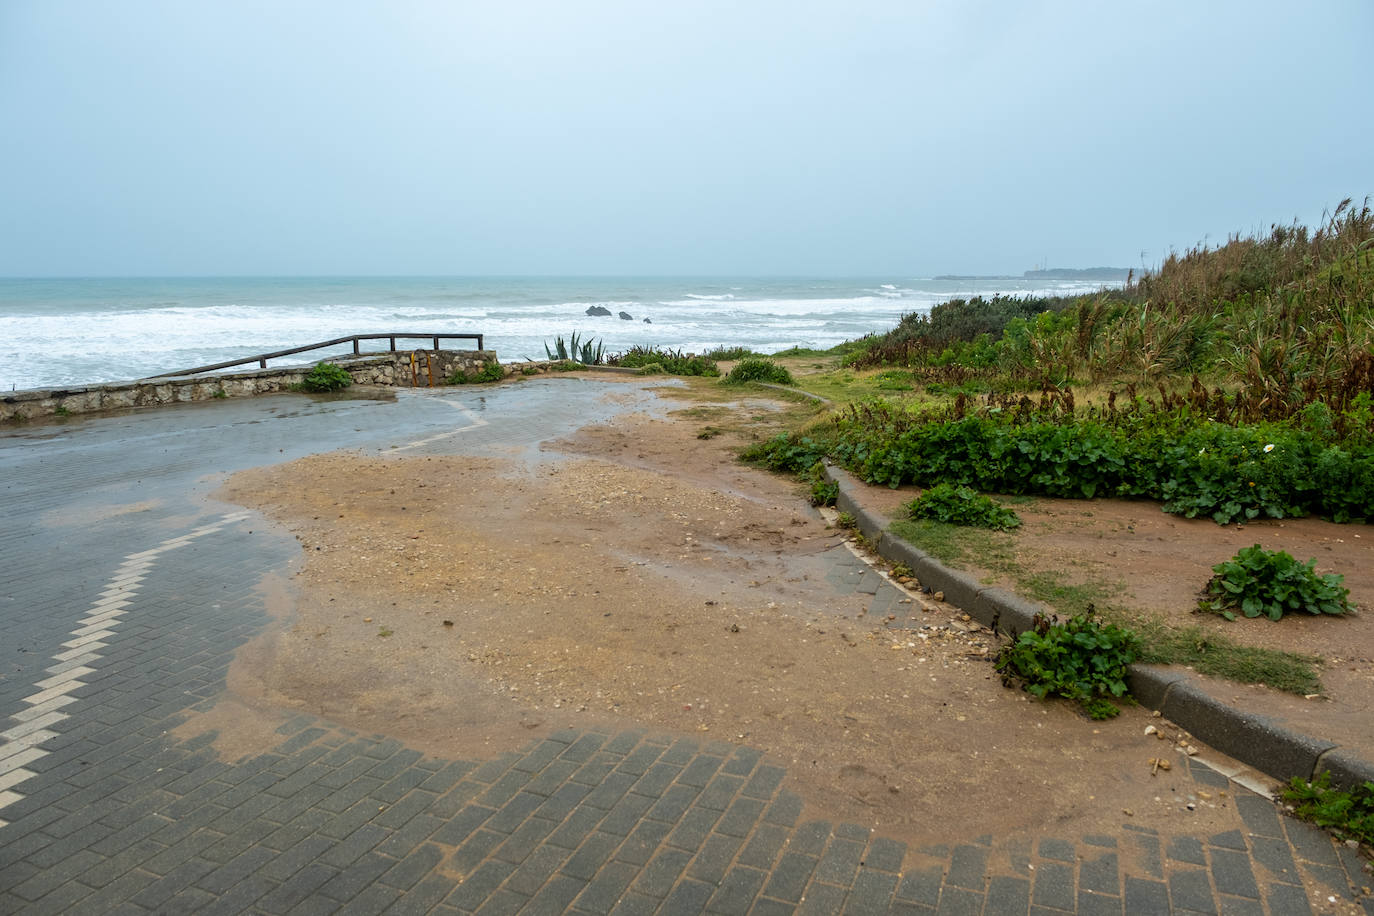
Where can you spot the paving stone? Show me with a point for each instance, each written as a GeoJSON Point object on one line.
{"type": "Point", "coordinates": [476, 887]}
{"type": "Point", "coordinates": [1186, 849]}
{"type": "Point", "coordinates": [1007, 894]}
{"type": "Point", "coordinates": [1100, 875]}
{"type": "Point", "coordinates": [1146, 897]}
{"type": "Point", "coordinates": [822, 900]}
{"type": "Point", "coordinates": [1053, 886]}
{"type": "Point", "coordinates": [789, 879]}
{"type": "Point", "coordinates": [885, 854]}
{"type": "Point", "coordinates": [737, 891]}
{"type": "Point", "coordinates": [968, 868]}
{"type": "Point", "coordinates": [921, 887]}
{"type": "Point", "coordinates": [1189, 889]}
{"type": "Point", "coordinates": [1060, 850]}
{"type": "Point", "coordinates": [872, 892]}
{"type": "Point", "coordinates": [715, 858]}
{"type": "Point", "coordinates": [1288, 899]}
{"type": "Point", "coordinates": [693, 829]}
{"type": "Point", "coordinates": [605, 890]}
{"type": "Point", "coordinates": [1093, 904]}
{"type": "Point", "coordinates": [689, 896]}
{"type": "Point", "coordinates": [1231, 874]}
{"type": "Point", "coordinates": [1309, 843]}
{"type": "Point", "coordinates": [642, 842]}
{"type": "Point", "coordinates": [957, 901]}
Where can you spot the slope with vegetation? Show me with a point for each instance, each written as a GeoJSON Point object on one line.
{"type": "Point", "coordinates": [1234, 383]}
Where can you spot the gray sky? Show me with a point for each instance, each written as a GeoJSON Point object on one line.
{"type": "Point", "coordinates": [892, 137]}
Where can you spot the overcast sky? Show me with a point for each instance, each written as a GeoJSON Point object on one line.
{"type": "Point", "coordinates": [750, 137]}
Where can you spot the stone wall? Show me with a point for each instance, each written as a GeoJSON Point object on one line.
{"type": "Point", "coordinates": [402, 369]}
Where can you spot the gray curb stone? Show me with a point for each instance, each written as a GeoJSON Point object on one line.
{"type": "Point", "coordinates": [1247, 736]}
{"type": "Point", "coordinates": [1345, 768]}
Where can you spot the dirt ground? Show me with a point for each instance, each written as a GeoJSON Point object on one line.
{"type": "Point", "coordinates": [636, 575]}
{"type": "Point", "coordinates": [1157, 564]}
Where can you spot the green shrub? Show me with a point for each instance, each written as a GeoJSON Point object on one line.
{"type": "Point", "coordinates": [758, 369]}
{"type": "Point", "coordinates": [326, 377]}
{"type": "Point", "coordinates": [491, 372]}
{"type": "Point", "coordinates": [1195, 467]}
{"type": "Point", "coordinates": [1082, 659]}
{"type": "Point", "coordinates": [787, 452]}
{"type": "Point", "coordinates": [673, 362]}
{"type": "Point", "coordinates": [823, 492]}
{"type": "Point", "coordinates": [946, 502]}
{"type": "Point", "coordinates": [1350, 815]}
{"type": "Point", "coordinates": [1267, 582]}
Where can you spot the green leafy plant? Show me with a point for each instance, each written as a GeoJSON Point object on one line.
{"type": "Point", "coordinates": [846, 520]}
{"type": "Point", "coordinates": [587, 351]}
{"type": "Point", "coordinates": [758, 369]}
{"type": "Point", "coordinates": [957, 505]}
{"type": "Point", "coordinates": [1350, 815]}
{"type": "Point", "coordinates": [673, 362]}
{"type": "Point", "coordinates": [823, 492]}
{"type": "Point", "coordinates": [1082, 659]}
{"type": "Point", "coordinates": [491, 372]}
{"type": "Point", "coordinates": [326, 377]}
{"type": "Point", "coordinates": [1268, 582]}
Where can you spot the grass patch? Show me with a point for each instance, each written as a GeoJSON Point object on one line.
{"type": "Point", "coordinates": [1221, 656]}
{"type": "Point", "coordinates": [1161, 643]}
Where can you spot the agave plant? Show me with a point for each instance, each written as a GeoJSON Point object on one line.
{"type": "Point", "coordinates": [589, 352]}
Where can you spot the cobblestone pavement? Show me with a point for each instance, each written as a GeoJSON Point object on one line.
{"type": "Point", "coordinates": [126, 594]}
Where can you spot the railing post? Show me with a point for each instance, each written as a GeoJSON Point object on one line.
{"type": "Point", "coordinates": [436, 342]}
{"type": "Point", "coordinates": [479, 342]}
{"type": "Point", "coordinates": [356, 351]}
{"type": "Point", "coordinates": [393, 344]}
{"type": "Point", "coordinates": [262, 364]}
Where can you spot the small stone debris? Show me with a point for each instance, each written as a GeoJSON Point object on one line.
{"type": "Point", "coordinates": [1150, 730]}
{"type": "Point", "coordinates": [1190, 751]}
{"type": "Point", "coordinates": [448, 623]}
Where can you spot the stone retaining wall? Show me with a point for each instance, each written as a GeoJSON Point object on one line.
{"type": "Point", "coordinates": [402, 369]}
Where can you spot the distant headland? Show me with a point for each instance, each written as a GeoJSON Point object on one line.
{"type": "Point", "coordinates": [1086, 273]}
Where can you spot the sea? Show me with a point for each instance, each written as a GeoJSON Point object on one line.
{"type": "Point", "coordinates": [64, 332]}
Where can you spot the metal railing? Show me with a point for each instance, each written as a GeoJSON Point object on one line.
{"type": "Point", "coordinates": [262, 358]}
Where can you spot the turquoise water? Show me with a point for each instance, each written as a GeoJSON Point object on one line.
{"type": "Point", "coordinates": [74, 331]}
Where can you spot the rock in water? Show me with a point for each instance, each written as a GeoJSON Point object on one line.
{"type": "Point", "coordinates": [647, 321]}
{"type": "Point", "coordinates": [598, 310]}
{"type": "Point", "coordinates": [626, 316]}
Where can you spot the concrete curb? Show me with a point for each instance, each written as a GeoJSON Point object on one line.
{"type": "Point", "coordinates": [1249, 737]}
